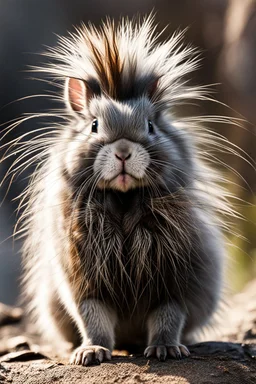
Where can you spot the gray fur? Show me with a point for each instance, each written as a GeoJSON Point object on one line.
{"type": "Point", "coordinates": [135, 265]}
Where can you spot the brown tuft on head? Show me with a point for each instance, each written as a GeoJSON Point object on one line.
{"type": "Point", "coordinates": [118, 76]}
{"type": "Point", "coordinates": [109, 66]}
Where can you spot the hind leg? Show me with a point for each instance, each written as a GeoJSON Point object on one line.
{"type": "Point", "coordinates": [64, 323]}
{"type": "Point", "coordinates": [54, 322]}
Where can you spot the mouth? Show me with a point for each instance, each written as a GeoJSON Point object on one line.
{"type": "Point", "coordinates": [123, 179]}
{"type": "Point", "coordinates": [122, 182]}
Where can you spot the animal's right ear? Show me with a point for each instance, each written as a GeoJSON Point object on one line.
{"type": "Point", "coordinates": [78, 93]}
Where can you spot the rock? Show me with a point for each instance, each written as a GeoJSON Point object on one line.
{"type": "Point", "coordinates": [9, 314]}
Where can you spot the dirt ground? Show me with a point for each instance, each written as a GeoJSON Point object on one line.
{"type": "Point", "coordinates": [230, 359]}
{"type": "Point", "coordinates": [196, 369]}
{"type": "Point", "coordinates": [135, 370]}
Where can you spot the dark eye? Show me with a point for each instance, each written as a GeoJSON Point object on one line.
{"type": "Point", "coordinates": [95, 126]}
{"type": "Point", "coordinates": [150, 127]}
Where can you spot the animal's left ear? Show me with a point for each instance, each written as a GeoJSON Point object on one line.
{"type": "Point", "coordinates": [75, 94]}
{"type": "Point", "coordinates": [78, 93]}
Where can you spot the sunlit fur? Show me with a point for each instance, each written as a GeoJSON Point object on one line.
{"type": "Point", "coordinates": [124, 265]}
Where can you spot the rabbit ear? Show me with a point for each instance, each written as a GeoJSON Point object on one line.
{"type": "Point", "coordinates": [79, 92]}
{"type": "Point", "coordinates": [75, 94]}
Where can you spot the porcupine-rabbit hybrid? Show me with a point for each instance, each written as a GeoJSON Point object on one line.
{"type": "Point", "coordinates": [123, 245]}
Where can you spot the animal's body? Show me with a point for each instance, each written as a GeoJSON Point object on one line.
{"type": "Point", "coordinates": [123, 243]}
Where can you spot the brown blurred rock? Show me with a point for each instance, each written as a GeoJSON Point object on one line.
{"type": "Point", "coordinates": [9, 314]}
{"type": "Point", "coordinates": [240, 317]}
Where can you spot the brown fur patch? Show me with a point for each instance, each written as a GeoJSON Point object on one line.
{"type": "Point", "coordinates": [72, 265]}
{"type": "Point", "coordinates": [109, 67]}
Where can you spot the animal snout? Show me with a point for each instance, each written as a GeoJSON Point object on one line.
{"type": "Point", "coordinates": [123, 155]}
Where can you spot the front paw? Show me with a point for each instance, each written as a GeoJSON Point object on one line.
{"type": "Point", "coordinates": [162, 351]}
{"type": "Point", "coordinates": [90, 354]}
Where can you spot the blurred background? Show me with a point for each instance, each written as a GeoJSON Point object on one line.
{"type": "Point", "coordinates": [225, 32]}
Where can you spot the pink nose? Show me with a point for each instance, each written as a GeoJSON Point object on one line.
{"type": "Point", "coordinates": [122, 156]}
